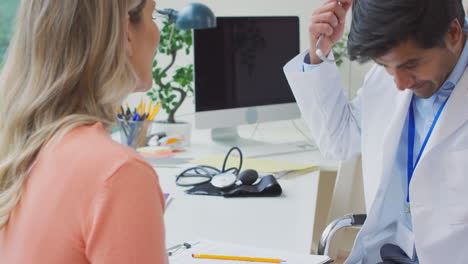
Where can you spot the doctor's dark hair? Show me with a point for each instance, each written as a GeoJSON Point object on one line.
{"type": "Point", "coordinates": [380, 25]}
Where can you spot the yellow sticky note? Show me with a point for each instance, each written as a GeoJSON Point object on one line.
{"type": "Point", "coordinates": [154, 149]}
{"type": "Point", "coordinates": [266, 166]}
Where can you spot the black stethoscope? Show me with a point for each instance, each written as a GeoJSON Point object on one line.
{"type": "Point", "coordinates": [203, 174]}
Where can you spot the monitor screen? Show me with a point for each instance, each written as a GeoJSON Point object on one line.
{"type": "Point", "coordinates": [240, 63]}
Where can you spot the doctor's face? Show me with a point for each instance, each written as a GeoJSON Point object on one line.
{"type": "Point", "coordinates": [423, 70]}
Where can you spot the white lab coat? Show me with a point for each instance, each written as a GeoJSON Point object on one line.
{"type": "Point", "coordinates": [372, 125]}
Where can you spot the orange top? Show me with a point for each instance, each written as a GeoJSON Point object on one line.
{"type": "Point", "coordinates": [87, 199]}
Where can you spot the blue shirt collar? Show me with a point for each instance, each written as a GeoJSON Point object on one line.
{"type": "Point", "coordinates": [459, 69]}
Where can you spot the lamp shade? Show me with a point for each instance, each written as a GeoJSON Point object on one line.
{"type": "Point", "coordinates": [195, 16]}
{"type": "Point", "coordinates": [192, 16]}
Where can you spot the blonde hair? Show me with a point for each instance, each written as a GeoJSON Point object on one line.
{"type": "Point", "coordinates": [65, 67]}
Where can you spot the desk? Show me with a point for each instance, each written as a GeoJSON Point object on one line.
{"type": "Point", "coordinates": [277, 134]}
{"type": "Point", "coordinates": [285, 222]}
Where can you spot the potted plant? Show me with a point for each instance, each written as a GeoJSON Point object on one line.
{"type": "Point", "coordinates": [172, 88]}
{"type": "Point", "coordinates": [340, 50]}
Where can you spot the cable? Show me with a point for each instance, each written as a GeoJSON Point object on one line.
{"type": "Point", "coordinates": [255, 130]}
{"type": "Point", "coordinates": [227, 157]}
{"type": "Point", "coordinates": [302, 132]}
{"type": "Point", "coordinates": [206, 173]}
{"type": "Point", "coordinates": [205, 176]}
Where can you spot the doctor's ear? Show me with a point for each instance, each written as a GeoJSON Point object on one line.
{"type": "Point", "coordinates": [129, 41]}
{"type": "Point", "coordinates": [455, 33]}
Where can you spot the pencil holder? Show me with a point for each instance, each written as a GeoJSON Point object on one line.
{"type": "Point", "coordinates": [134, 133]}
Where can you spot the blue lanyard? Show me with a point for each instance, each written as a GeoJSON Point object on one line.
{"type": "Point", "coordinates": [411, 132]}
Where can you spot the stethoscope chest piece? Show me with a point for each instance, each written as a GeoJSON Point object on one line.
{"type": "Point", "coordinates": [224, 180]}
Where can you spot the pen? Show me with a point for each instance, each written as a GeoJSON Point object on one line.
{"type": "Point", "coordinates": [267, 260]}
{"type": "Point", "coordinates": [128, 112]}
{"type": "Point", "coordinates": [144, 111]}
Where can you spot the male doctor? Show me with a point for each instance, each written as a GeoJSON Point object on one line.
{"type": "Point", "coordinates": [409, 122]}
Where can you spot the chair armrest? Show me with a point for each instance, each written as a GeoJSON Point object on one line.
{"type": "Point", "coordinates": [356, 220]}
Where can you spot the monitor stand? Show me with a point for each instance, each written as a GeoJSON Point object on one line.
{"type": "Point", "coordinates": [253, 148]}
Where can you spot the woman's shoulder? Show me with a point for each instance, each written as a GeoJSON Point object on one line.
{"type": "Point", "coordinates": [91, 150]}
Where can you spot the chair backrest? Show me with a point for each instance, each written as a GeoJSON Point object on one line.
{"type": "Point", "coordinates": [348, 194]}
{"type": "Point", "coordinates": [348, 198]}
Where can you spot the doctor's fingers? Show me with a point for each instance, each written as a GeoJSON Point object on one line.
{"type": "Point", "coordinates": [317, 29]}
{"type": "Point", "coordinates": [328, 17]}
{"type": "Point", "coordinates": [340, 9]}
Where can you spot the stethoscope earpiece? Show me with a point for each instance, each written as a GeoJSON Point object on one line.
{"type": "Point", "coordinates": [319, 52]}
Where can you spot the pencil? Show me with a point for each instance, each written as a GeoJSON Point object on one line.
{"type": "Point", "coordinates": [150, 106]}
{"type": "Point", "coordinates": [155, 111]}
{"type": "Point", "coordinates": [266, 260]}
{"type": "Point", "coordinates": [138, 109]}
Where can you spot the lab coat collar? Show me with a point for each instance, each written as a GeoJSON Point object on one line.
{"type": "Point", "coordinates": [393, 134]}
{"type": "Point", "coordinates": [454, 115]}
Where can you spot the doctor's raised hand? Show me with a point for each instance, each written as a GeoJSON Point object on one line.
{"type": "Point", "coordinates": [329, 21]}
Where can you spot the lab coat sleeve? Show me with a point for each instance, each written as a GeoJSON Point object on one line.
{"type": "Point", "coordinates": [335, 122]}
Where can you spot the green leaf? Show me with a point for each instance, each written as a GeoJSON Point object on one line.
{"type": "Point", "coordinates": [182, 76]}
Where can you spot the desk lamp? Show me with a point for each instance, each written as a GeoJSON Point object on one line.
{"type": "Point", "coordinates": [192, 16]}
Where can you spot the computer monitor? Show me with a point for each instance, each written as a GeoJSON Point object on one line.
{"type": "Point", "coordinates": [239, 75]}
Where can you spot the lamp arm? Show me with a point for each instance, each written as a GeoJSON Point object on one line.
{"type": "Point", "coordinates": [169, 12]}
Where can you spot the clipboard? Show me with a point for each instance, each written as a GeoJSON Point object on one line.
{"type": "Point", "coordinates": [182, 254]}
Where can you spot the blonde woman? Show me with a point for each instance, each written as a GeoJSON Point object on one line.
{"type": "Point", "coordinates": [68, 193]}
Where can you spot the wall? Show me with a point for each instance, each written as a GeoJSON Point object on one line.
{"type": "Point", "coordinates": [352, 74]}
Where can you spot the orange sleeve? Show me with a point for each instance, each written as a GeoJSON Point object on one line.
{"type": "Point", "coordinates": [125, 223]}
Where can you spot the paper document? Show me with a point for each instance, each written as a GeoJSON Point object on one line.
{"type": "Point", "coordinates": [267, 166]}
{"type": "Point", "coordinates": [184, 255]}
{"type": "Point", "coordinates": [166, 162]}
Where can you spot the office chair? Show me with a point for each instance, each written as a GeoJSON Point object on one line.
{"type": "Point", "coordinates": [348, 196]}
{"type": "Point", "coordinates": [351, 220]}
